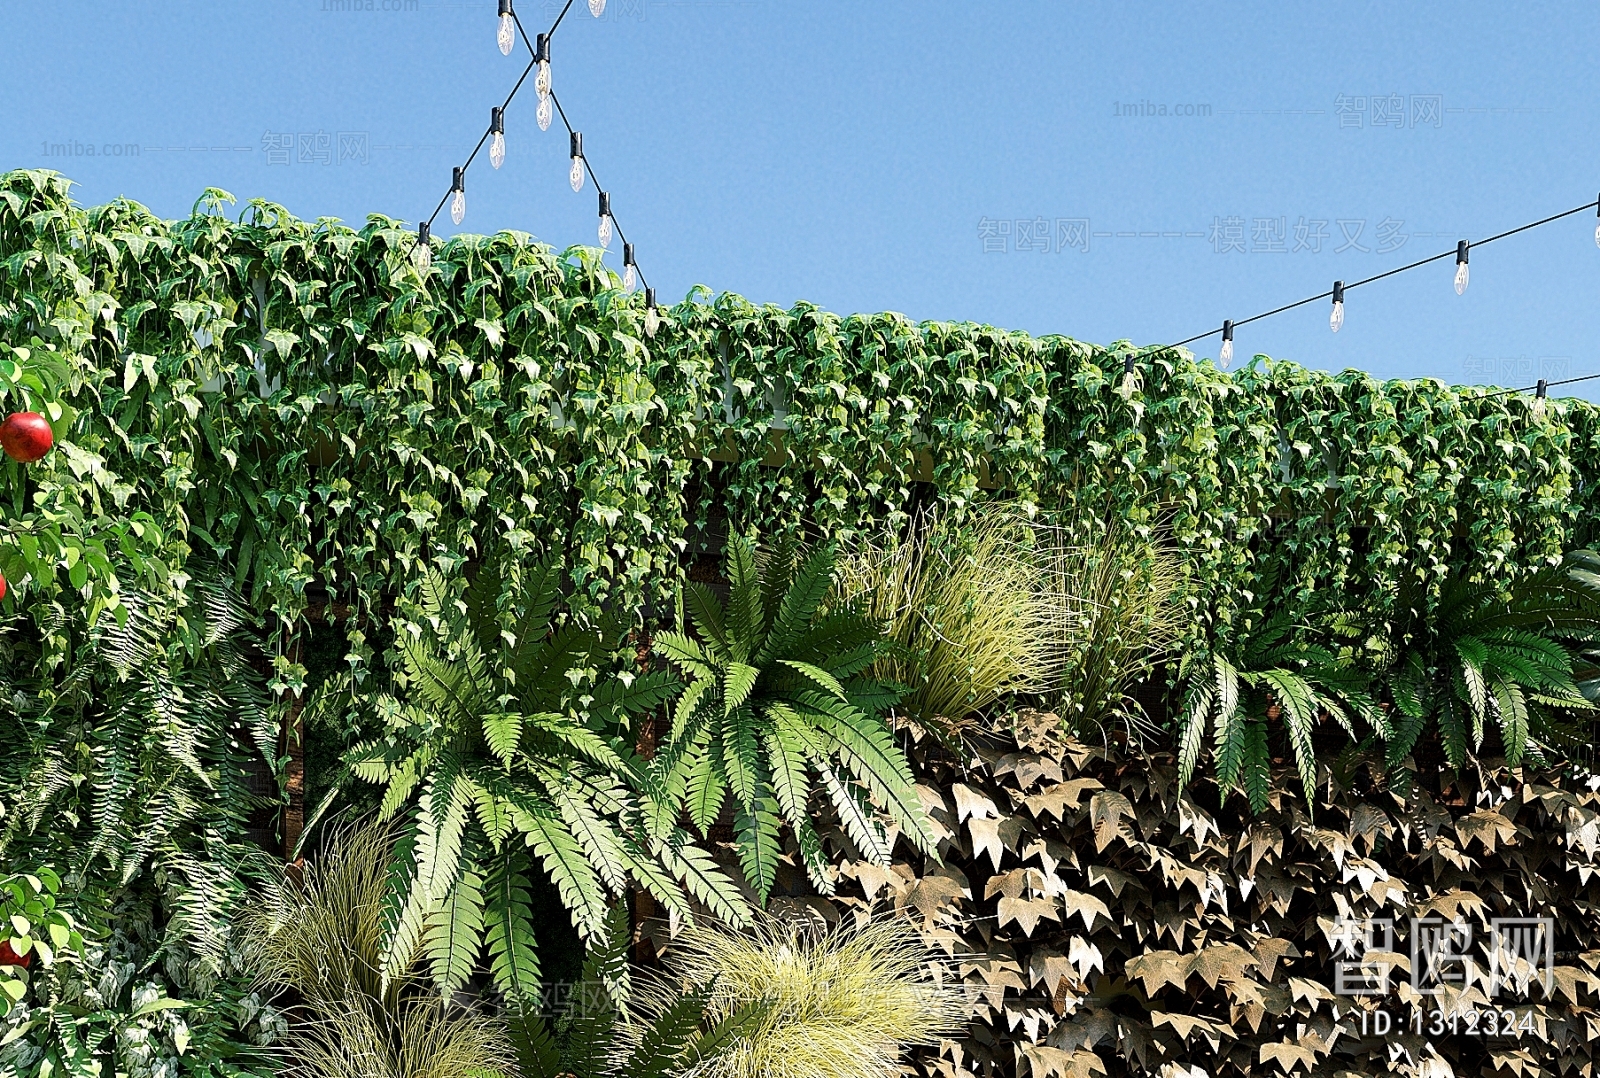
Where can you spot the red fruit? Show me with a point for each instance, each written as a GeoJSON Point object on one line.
{"type": "Point", "coordinates": [8, 957]}
{"type": "Point", "coordinates": [2, 596]}
{"type": "Point", "coordinates": [26, 436]}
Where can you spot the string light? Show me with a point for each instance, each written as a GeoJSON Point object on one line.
{"type": "Point", "coordinates": [576, 175]}
{"type": "Point", "coordinates": [421, 253]}
{"type": "Point", "coordinates": [1132, 382]}
{"type": "Point", "coordinates": [1336, 319]}
{"type": "Point", "coordinates": [422, 250]}
{"type": "Point", "coordinates": [507, 34]}
{"type": "Point", "coordinates": [541, 81]}
{"type": "Point", "coordinates": [652, 317]}
{"type": "Point", "coordinates": [1225, 357]}
{"type": "Point", "coordinates": [1540, 392]}
{"type": "Point", "coordinates": [497, 137]}
{"type": "Point", "coordinates": [1597, 227]}
{"type": "Point", "coordinates": [1462, 277]}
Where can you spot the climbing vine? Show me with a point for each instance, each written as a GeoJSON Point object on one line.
{"type": "Point", "coordinates": [294, 401]}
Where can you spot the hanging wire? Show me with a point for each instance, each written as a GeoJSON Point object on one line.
{"type": "Point", "coordinates": [1337, 292]}
{"type": "Point", "coordinates": [424, 230]}
{"type": "Point", "coordinates": [1388, 273]}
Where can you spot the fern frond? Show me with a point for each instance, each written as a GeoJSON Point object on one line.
{"type": "Point", "coordinates": [453, 935]}
{"type": "Point", "coordinates": [759, 849]}
{"type": "Point", "coordinates": [509, 931]}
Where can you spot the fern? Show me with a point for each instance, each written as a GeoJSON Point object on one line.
{"type": "Point", "coordinates": [131, 746]}
{"type": "Point", "coordinates": [1519, 659]}
{"type": "Point", "coordinates": [514, 752]}
{"type": "Point", "coordinates": [775, 699]}
{"type": "Point", "coordinates": [1501, 655]}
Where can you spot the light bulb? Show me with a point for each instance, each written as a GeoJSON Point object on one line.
{"type": "Point", "coordinates": [605, 232]}
{"type": "Point", "coordinates": [422, 250]}
{"type": "Point", "coordinates": [507, 36]}
{"type": "Point", "coordinates": [597, 8]}
{"type": "Point", "coordinates": [1336, 319]}
{"type": "Point", "coordinates": [1131, 380]}
{"type": "Point", "coordinates": [1225, 357]}
{"type": "Point", "coordinates": [630, 277]}
{"type": "Point", "coordinates": [1597, 235]}
{"type": "Point", "coordinates": [545, 114]}
{"type": "Point", "coordinates": [541, 81]}
{"type": "Point", "coordinates": [652, 321]}
{"type": "Point", "coordinates": [1463, 275]}
{"type": "Point", "coordinates": [458, 186]}
{"type": "Point", "coordinates": [497, 140]}
{"type": "Point", "coordinates": [575, 177]}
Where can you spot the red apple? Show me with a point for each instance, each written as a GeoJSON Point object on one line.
{"type": "Point", "coordinates": [8, 957]}
{"type": "Point", "coordinates": [26, 436]}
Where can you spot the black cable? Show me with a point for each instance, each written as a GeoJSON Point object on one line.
{"type": "Point", "coordinates": [1393, 272]}
{"type": "Point", "coordinates": [1547, 385]}
{"type": "Point", "coordinates": [588, 168]}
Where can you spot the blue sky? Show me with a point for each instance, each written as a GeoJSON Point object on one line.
{"type": "Point", "coordinates": [873, 156]}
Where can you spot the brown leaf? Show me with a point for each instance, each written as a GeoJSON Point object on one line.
{"type": "Point", "coordinates": [1262, 838]}
{"type": "Point", "coordinates": [1028, 768]}
{"type": "Point", "coordinates": [1157, 969]}
{"type": "Point", "coordinates": [1027, 912]}
{"type": "Point", "coordinates": [994, 837]}
{"type": "Point", "coordinates": [1224, 961]}
{"type": "Point", "coordinates": [1047, 1062]}
{"type": "Point", "coordinates": [941, 888]}
{"type": "Point", "coordinates": [1450, 905]}
{"type": "Point", "coordinates": [1488, 827]}
{"type": "Point", "coordinates": [1048, 967]}
{"type": "Point", "coordinates": [1188, 1024]}
{"type": "Point", "coordinates": [1087, 907]}
{"type": "Point", "coordinates": [1269, 951]}
{"type": "Point", "coordinates": [971, 803]}
{"type": "Point", "coordinates": [1011, 884]}
{"type": "Point", "coordinates": [1107, 810]}
{"type": "Point", "coordinates": [1288, 1056]}
{"type": "Point", "coordinates": [1058, 800]}
{"type": "Point", "coordinates": [1113, 878]}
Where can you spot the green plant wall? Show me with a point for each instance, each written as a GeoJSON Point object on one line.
{"type": "Point", "coordinates": [292, 399]}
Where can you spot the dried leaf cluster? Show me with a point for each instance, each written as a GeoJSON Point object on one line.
{"type": "Point", "coordinates": [1106, 925]}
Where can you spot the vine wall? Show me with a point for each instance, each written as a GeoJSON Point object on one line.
{"type": "Point", "coordinates": [293, 401]}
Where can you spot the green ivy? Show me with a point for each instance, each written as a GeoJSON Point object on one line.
{"type": "Point", "coordinates": [295, 400]}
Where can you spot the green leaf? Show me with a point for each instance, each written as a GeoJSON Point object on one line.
{"type": "Point", "coordinates": [759, 848]}
{"type": "Point", "coordinates": [503, 733]}
{"type": "Point", "coordinates": [509, 931]}
{"type": "Point", "coordinates": [454, 933]}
